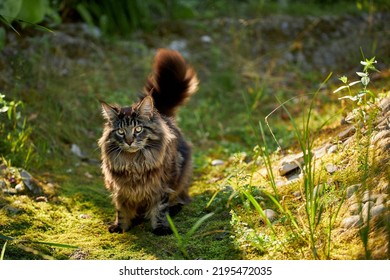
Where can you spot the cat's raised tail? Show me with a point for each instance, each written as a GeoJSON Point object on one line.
{"type": "Point", "coordinates": [171, 83]}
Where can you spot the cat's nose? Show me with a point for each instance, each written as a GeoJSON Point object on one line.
{"type": "Point", "coordinates": [129, 139]}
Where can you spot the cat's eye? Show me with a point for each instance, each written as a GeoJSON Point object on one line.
{"type": "Point", "coordinates": [138, 129]}
{"type": "Point", "coordinates": [120, 132]}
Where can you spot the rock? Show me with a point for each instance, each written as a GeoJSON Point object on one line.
{"type": "Point", "coordinates": [12, 210]}
{"type": "Point", "coordinates": [346, 133]}
{"type": "Point", "coordinates": [19, 187]}
{"type": "Point", "coordinates": [377, 210]}
{"type": "Point", "coordinates": [380, 135]}
{"type": "Point", "coordinates": [85, 216]}
{"type": "Point", "coordinates": [297, 194]}
{"type": "Point", "coordinates": [354, 209]}
{"type": "Point", "coordinates": [381, 199]}
{"type": "Point", "coordinates": [270, 214]}
{"type": "Point", "coordinates": [217, 162]}
{"type": "Point", "coordinates": [332, 149]}
{"type": "Point", "coordinates": [294, 177]}
{"type": "Point", "coordinates": [290, 163]}
{"type": "Point", "coordinates": [320, 152]}
{"type": "Point", "coordinates": [206, 39]}
{"type": "Point", "coordinates": [331, 168]}
{"type": "Point", "coordinates": [367, 207]}
{"type": "Point", "coordinates": [368, 197]}
{"type": "Point", "coordinates": [27, 179]}
{"type": "Point", "coordinates": [352, 221]}
{"type": "Point", "coordinates": [41, 199]}
{"type": "Point", "coordinates": [3, 184]}
{"type": "Point", "coordinates": [352, 189]}
{"type": "Point", "coordinates": [75, 149]}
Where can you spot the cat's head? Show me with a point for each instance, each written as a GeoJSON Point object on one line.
{"type": "Point", "coordinates": [135, 128]}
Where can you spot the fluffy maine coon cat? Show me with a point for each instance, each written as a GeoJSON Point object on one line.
{"type": "Point", "coordinates": [146, 162]}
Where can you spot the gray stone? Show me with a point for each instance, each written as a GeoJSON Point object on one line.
{"type": "Point", "coordinates": [19, 187]}
{"type": "Point", "coordinates": [367, 207]}
{"type": "Point", "coordinates": [290, 163]}
{"type": "Point", "coordinates": [380, 136]}
{"type": "Point", "coordinates": [76, 150]}
{"type": "Point", "coordinates": [320, 152]}
{"type": "Point", "coordinates": [41, 199]}
{"type": "Point", "coordinates": [331, 168]}
{"type": "Point", "coordinates": [297, 194]}
{"type": "Point", "coordinates": [381, 199]}
{"type": "Point", "coordinates": [3, 184]}
{"type": "Point", "coordinates": [368, 197]}
{"type": "Point", "coordinates": [352, 221]}
{"type": "Point", "coordinates": [332, 149]}
{"type": "Point", "coordinates": [270, 214]}
{"type": "Point", "coordinates": [377, 210]}
{"type": "Point", "coordinates": [346, 133]}
{"type": "Point", "coordinates": [354, 209]}
{"type": "Point", "coordinates": [352, 189]}
{"type": "Point", "coordinates": [27, 179]}
{"type": "Point", "coordinates": [217, 162]}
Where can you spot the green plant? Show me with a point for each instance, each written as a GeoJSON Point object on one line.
{"type": "Point", "coordinates": [182, 240]}
{"type": "Point", "coordinates": [20, 244]}
{"type": "Point", "coordinates": [14, 133]}
{"type": "Point", "coordinates": [364, 112]}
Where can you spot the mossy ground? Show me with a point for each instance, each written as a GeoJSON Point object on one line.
{"type": "Point", "coordinates": [60, 85]}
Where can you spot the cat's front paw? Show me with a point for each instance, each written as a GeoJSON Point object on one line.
{"type": "Point", "coordinates": [162, 230]}
{"type": "Point", "coordinates": [115, 229]}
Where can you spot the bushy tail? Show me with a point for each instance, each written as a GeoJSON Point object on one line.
{"type": "Point", "coordinates": [171, 83]}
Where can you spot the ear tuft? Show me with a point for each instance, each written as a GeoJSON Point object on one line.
{"type": "Point", "coordinates": [109, 112]}
{"type": "Point", "coordinates": [146, 107]}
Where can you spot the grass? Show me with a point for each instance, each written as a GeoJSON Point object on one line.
{"type": "Point", "coordinates": [229, 119]}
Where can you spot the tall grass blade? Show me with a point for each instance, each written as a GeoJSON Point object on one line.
{"type": "Point", "coordinates": [3, 250]}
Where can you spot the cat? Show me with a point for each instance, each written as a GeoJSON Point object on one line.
{"type": "Point", "coordinates": [146, 162]}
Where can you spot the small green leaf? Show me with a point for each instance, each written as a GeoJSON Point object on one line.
{"type": "Point", "coordinates": [365, 80]}
{"type": "Point", "coordinates": [344, 79]}
{"type": "Point", "coordinates": [362, 74]}
{"type": "Point", "coordinates": [340, 88]}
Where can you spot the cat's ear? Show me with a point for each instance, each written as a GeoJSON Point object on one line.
{"type": "Point", "coordinates": [109, 112]}
{"type": "Point", "coordinates": [146, 107]}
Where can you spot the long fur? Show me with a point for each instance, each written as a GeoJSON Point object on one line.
{"type": "Point", "coordinates": [171, 83]}
{"type": "Point", "coordinates": [148, 173]}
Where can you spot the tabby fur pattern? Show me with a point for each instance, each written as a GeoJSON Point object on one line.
{"type": "Point", "coordinates": [146, 162]}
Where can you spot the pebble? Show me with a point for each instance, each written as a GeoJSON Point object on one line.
{"type": "Point", "coordinates": [3, 184]}
{"type": "Point", "coordinates": [85, 216]}
{"type": "Point", "coordinates": [381, 199]}
{"type": "Point", "coordinates": [346, 133]}
{"type": "Point", "coordinates": [354, 209]}
{"type": "Point", "coordinates": [380, 135]}
{"type": "Point", "coordinates": [75, 149]}
{"type": "Point", "coordinates": [27, 179]}
{"type": "Point", "coordinates": [297, 194]}
{"type": "Point", "coordinates": [41, 199]}
{"type": "Point", "coordinates": [270, 214]}
{"type": "Point", "coordinates": [377, 210]}
{"type": "Point", "coordinates": [217, 162]}
{"type": "Point", "coordinates": [290, 163]}
{"type": "Point", "coordinates": [352, 221]}
{"type": "Point", "coordinates": [332, 149]}
{"type": "Point", "coordinates": [331, 168]}
{"type": "Point", "coordinates": [367, 207]}
{"type": "Point", "coordinates": [19, 187]}
{"type": "Point", "coordinates": [352, 189]}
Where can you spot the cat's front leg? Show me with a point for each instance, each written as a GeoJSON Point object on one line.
{"type": "Point", "coordinates": [122, 221]}
{"type": "Point", "coordinates": [158, 217]}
